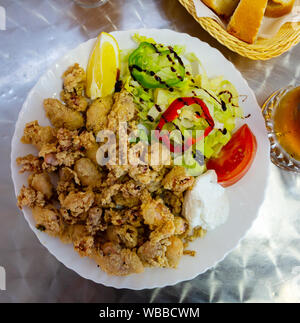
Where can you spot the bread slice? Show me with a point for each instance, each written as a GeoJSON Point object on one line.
{"type": "Point", "coordinates": [223, 8]}
{"type": "Point", "coordinates": [246, 20]}
{"type": "Point", "coordinates": [279, 8]}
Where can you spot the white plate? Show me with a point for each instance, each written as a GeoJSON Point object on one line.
{"type": "Point", "coordinates": [245, 197]}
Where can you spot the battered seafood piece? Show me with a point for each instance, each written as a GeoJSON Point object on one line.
{"type": "Point", "coordinates": [153, 254]}
{"type": "Point", "coordinates": [74, 79]}
{"type": "Point", "coordinates": [73, 101]}
{"type": "Point", "coordinates": [67, 182]}
{"type": "Point", "coordinates": [174, 251]}
{"type": "Point", "coordinates": [117, 261]}
{"type": "Point", "coordinates": [97, 114]}
{"type": "Point", "coordinates": [124, 216]}
{"type": "Point", "coordinates": [89, 145]}
{"type": "Point", "coordinates": [37, 135]}
{"type": "Point", "coordinates": [177, 180]}
{"type": "Point", "coordinates": [61, 116]}
{"type": "Point", "coordinates": [73, 89]}
{"type": "Point", "coordinates": [77, 203]}
{"type": "Point", "coordinates": [174, 201]}
{"type": "Point", "coordinates": [123, 110]}
{"type": "Point", "coordinates": [87, 173]}
{"type": "Point", "coordinates": [181, 225]}
{"type": "Point", "coordinates": [82, 240]}
{"type": "Point", "coordinates": [41, 183]}
{"type": "Point", "coordinates": [155, 213]}
{"type": "Point", "coordinates": [30, 198]}
{"type": "Point", "coordinates": [47, 219]}
{"type": "Point", "coordinates": [126, 235]}
{"type": "Point", "coordinates": [95, 221]}
{"type": "Point", "coordinates": [65, 152]}
{"type": "Point", "coordinates": [30, 163]}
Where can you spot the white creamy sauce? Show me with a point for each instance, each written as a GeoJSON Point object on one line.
{"type": "Point", "coordinates": [207, 204]}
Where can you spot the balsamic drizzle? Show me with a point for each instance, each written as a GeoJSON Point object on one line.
{"type": "Point", "coordinates": [176, 55]}
{"type": "Point", "coordinates": [158, 108]}
{"type": "Point", "coordinates": [165, 119]}
{"type": "Point", "coordinates": [182, 101]}
{"type": "Point", "coordinates": [157, 78]}
{"type": "Point", "coordinates": [118, 86]}
{"type": "Point", "coordinates": [182, 136]}
{"type": "Point", "coordinates": [156, 49]}
{"type": "Point", "coordinates": [227, 92]}
{"type": "Point", "coordinates": [224, 108]}
{"type": "Point", "coordinates": [151, 119]}
{"type": "Point", "coordinates": [171, 60]}
{"type": "Point", "coordinates": [211, 96]}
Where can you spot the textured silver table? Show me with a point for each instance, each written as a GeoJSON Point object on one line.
{"type": "Point", "coordinates": [265, 267]}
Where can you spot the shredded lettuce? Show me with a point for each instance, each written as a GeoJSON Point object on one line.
{"type": "Point", "coordinates": [179, 49]}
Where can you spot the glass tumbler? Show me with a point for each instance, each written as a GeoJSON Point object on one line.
{"type": "Point", "coordinates": [90, 3]}
{"type": "Point", "coordinates": [279, 155]}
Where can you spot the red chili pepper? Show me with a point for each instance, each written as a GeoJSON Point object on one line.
{"type": "Point", "coordinates": [172, 113]}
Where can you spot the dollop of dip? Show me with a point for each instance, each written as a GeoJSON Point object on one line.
{"type": "Point", "coordinates": [207, 204]}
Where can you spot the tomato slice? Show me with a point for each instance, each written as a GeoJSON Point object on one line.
{"type": "Point", "coordinates": [235, 158]}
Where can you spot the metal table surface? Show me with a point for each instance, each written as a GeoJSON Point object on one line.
{"type": "Point", "coordinates": [265, 267]}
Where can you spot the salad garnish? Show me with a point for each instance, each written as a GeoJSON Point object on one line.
{"type": "Point", "coordinates": [158, 76]}
{"type": "Point", "coordinates": [156, 67]}
{"type": "Point", "coordinates": [172, 113]}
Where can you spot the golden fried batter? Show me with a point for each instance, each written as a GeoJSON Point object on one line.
{"type": "Point", "coordinates": [73, 89]}
{"type": "Point", "coordinates": [82, 240]}
{"type": "Point", "coordinates": [153, 254]}
{"type": "Point", "coordinates": [74, 79]}
{"type": "Point", "coordinates": [47, 219]}
{"type": "Point", "coordinates": [88, 142]}
{"type": "Point", "coordinates": [155, 213]}
{"type": "Point", "coordinates": [41, 183]}
{"type": "Point", "coordinates": [74, 101]}
{"type": "Point", "coordinates": [177, 180]}
{"type": "Point", "coordinates": [174, 251]}
{"type": "Point", "coordinates": [87, 172]}
{"type": "Point", "coordinates": [126, 235]}
{"type": "Point", "coordinates": [77, 203]}
{"type": "Point", "coordinates": [30, 198]}
{"type": "Point", "coordinates": [61, 116]}
{"type": "Point", "coordinates": [30, 163]}
{"type": "Point", "coordinates": [123, 110]}
{"type": "Point", "coordinates": [97, 114]}
{"type": "Point", "coordinates": [67, 181]}
{"type": "Point", "coordinates": [119, 262]}
{"type": "Point", "coordinates": [125, 217]}
{"type": "Point", "coordinates": [37, 135]}
{"type": "Point", "coordinates": [95, 221]}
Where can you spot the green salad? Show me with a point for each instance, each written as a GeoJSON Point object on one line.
{"type": "Point", "coordinates": [164, 78]}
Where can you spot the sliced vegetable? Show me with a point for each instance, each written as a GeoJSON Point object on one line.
{"type": "Point", "coordinates": [235, 157]}
{"type": "Point", "coordinates": [103, 67]}
{"type": "Point", "coordinates": [154, 68]}
{"type": "Point", "coordinates": [172, 113]}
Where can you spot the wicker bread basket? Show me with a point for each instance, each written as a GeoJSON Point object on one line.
{"type": "Point", "coordinates": [262, 49]}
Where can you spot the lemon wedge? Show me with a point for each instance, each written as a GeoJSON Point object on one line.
{"type": "Point", "coordinates": [103, 67]}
